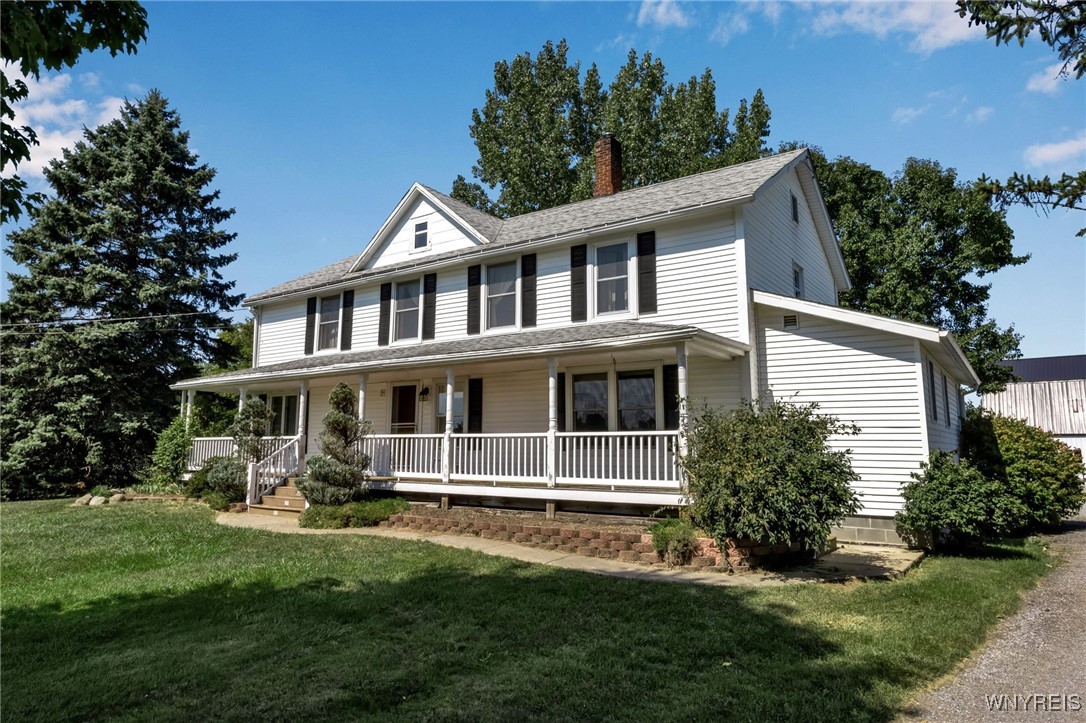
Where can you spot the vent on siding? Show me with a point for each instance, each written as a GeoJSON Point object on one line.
{"type": "Point", "coordinates": [791, 321]}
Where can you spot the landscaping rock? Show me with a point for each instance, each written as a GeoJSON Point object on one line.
{"type": "Point", "coordinates": [119, 497]}
{"type": "Point", "coordinates": [83, 500]}
{"type": "Point", "coordinates": [97, 500]}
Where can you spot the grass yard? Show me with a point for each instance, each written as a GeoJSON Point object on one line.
{"type": "Point", "coordinates": [151, 611]}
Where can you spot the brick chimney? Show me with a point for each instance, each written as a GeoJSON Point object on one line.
{"type": "Point", "coordinates": [608, 166]}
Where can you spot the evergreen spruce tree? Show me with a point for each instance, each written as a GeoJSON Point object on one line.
{"type": "Point", "coordinates": [121, 296]}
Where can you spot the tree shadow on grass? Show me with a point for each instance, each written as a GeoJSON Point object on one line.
{"type": "Point", "coordinates": [445, 644]}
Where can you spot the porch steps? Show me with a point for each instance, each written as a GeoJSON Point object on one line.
{"type": "Point", "coordinates": [283, 501]}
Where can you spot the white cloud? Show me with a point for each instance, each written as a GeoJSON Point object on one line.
{"type": "Point", "coordinates": [58, 112]}
{"type": "Point", "coordinates": [904, 116]}
{"type": "Point", "coordinates": [933, 25]}
{"type": "Point", "coordinates": [1050, 80]}
{"type": "Point", "coordinates": [729, 26]}
{"type": "Point", "coordinates": [662, 14]}
{"type": "Point", "coordinates": [979, 114]}
{"type": "Point", "coordinates": [1054, 155]}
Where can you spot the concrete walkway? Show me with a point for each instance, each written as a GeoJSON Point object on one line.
{"type": "Point", "coordinates": [1035, 661]}
{"type": "Point", "coordinates": [852, 562]}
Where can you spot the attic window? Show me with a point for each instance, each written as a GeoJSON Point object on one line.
{"type": "Point", "coordinates": [421, 240]}
{"type": "Point", "coordinates": [798, 288]}
{"type": "Point", "coordinates": [791, 321]}
{"type": "Point", "coordinates": [795, 208]}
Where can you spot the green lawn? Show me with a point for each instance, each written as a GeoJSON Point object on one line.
{"type": "Point", "coordinates": [151, 611]}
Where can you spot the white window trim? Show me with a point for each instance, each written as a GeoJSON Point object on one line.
{"type": "Point", "coordinates": [484, 312]}
{"type": "Point", "coordinates": [657, 369]}
{"type": "Point", "coordinates": [631, 311]}
{"type": "Point", "coordinates": [417, 339]}
{"type": "Point", "coordinates": [335, 348]}
{"type": "Point", "coordinates": [802, 281]}
{"type": "Point", "coordinates": [429, 241]}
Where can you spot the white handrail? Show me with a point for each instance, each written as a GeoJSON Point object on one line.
{"type": "Point", "coordinates": [408, 455]}
{"type": "Point", "coordinates": [273, 469]}
{"type": "Point", "coordinates": [204, 448]}
{"type": "Point", "coordinates": [499, 457]}
{"type": "Point", "coordinates": [619, 459]}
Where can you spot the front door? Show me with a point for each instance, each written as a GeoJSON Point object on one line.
{"type": "Point", "coordinates": [404, 407]}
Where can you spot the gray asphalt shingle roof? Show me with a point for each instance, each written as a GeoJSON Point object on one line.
{"type": "Point", "coordinates": [724, 184]}
{"type": "Point", "coordinates": [531, 343]}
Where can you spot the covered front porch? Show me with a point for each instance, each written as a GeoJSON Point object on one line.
{"type": "Point", "coordinates": [597, 425]}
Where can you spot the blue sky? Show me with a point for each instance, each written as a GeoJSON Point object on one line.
{"type": "Point", "coordinates": [319, 116]}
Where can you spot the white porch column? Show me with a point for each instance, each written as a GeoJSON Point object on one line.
{"type": "Point", "coordinates": [362, 378]}
{"type": "Point", "coordinates": [303, 415]}
{"type": "Point", "coordinates": [552, 421]}
{"type": "Point", "coordinates": [186, 406]}
{"type": "Point", "coordinates": [680, 357]}
{"type": "Point", "coordinates": [450, 408]}
{"type": "Point", "coordinates": [241, 398]}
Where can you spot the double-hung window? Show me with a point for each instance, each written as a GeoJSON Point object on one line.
{"type": "Point", "coordinates": [501, 295]}
{"type": "Point", "coordinates": [613, 278]}
{"type": "Point", "coordinates": [407, 310]}
{"type": "Point", "coordinates": [284, 415]}
{"type": "Point", "coordinates": [590, 402]}
{"type": "Point", "coordinates": [328, 331]}
{"type": "Point", "coordinates": [458, 409]}
{"type": "Point", "coordinates": [636, 401]}
{"type": "Point", "coordinates": [624, 401]}
{"type": "Point", "coordinates": [422, 239]}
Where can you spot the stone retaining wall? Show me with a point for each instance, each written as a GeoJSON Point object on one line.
{"type": "Point", "coordinates": [633, 547]}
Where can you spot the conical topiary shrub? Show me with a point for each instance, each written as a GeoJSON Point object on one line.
{"type": "Point", "coordinates": [338, 474]}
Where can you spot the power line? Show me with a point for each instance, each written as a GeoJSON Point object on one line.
{"type": "Point", "coordinates": [58, 332]}
{"type": "Point", "coordinates": [81, 320]}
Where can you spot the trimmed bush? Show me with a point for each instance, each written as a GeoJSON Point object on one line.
{"type": "Point", "coordinates": [218, 501]}
{"type": "Point", "coordinates": [249, 427]}
{"type": "Point", "coordinates": [224, 477]}
{"type": "Point", "coordinates": [338, 474]}
{"type": "Point", "coordinates": [768, 474]}
{"type": "Point", "coordinates": [1042, 473]}
{"type": "Point", "coordinates": [356, 514]}
{"type": "Point", "coordinates": [951, 502]}
{"type": "Point", "coordinates": [674, 540]}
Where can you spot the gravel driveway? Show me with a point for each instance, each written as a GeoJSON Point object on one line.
{"type": "Point", "coordinates": [1038, 654]}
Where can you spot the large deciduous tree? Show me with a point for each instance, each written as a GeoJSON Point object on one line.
{"type": "Point", "coordinates": [537, 128]}
{"type": "Point", "coordinates": [915, 245]}
{"type": "Point", "coordinates": [1062, 26]}
{"type": "Point", "coordinates": [51, 35]}
{"type": "Point", "coordinates": [121, 295]}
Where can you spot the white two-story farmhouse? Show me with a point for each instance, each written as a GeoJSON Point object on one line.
{"type": "Point", "coordinates": [540, 361]}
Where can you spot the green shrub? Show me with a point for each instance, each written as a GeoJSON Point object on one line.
{"type": "Point", "coordinates": [768, 474]}
{"type": "Point", "coordinates": [101, 491]}
{"type": "Point", "coordinates": [170, 458]}
{"type": "Point", "coordinates": [953, 503]}
{"type": "Point", "coordinates": [338, 474]}
{"type": "Point", "coordinates": [249, 427]}
{"type": "Point", "coordinates": [218, 501]}
{"type": "Point", "coordinates": [1042, 473]}
{"type": "Point", "coordinates": [674, 540]}
{"type": "Point", "coordinates": [223, 476]}
{"type": "Point", "coordinates": [356, 514]}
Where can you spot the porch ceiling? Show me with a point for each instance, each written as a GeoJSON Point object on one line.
{"type": "Point", "coordinates": [575, 339]}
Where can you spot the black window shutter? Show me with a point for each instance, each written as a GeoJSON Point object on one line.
{"type": "Point", "coordinates": [474, 279]}
{"type": "Point", "coordinates": [527, 290]}
{"type": "Point", "coordinates": [310, 323]}
{"type": "Point", "coordinates": [671, 396]}
{"type": "Point", "coordinates": [386, 312]}
{"type": "Point", "coordinates": [646, 272]}
{"type": "Point", "coordinates": [348, 321]}
{"type": "Point", "coordinates": [561, 401]}
{"type": "Point", "coordinates": [475, 406]}
{"type": "Point", "coordinates": [578, 284]}
{"type": "Point", "coordinates": [429, 305]}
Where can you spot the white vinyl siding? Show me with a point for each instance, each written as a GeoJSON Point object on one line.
{"type": "Point", "coordinates": [713, 382]}
{"type": "Point", "coordinates": [861, 376]}
{"type": "Point", "coordinates": [441, 233]}
{"type": "Point", "coordinates": [775, 243]}
{"type": "Point", "coordinates": [515, 402]}
{"type": "Point", "coordinates": [941, 436]}
{"type": "Point", "coordinates": [282, 332]}
{"type": "Point", "coordinates": [696, 279]}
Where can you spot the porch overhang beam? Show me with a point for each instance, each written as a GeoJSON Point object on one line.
{"type": "Point", "coordinates": [699, 341]}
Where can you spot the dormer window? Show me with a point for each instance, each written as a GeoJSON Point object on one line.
{"type": "Point", "coordinates": [421, 238]}
{"type": "Point", "coordinates": [328, 333]}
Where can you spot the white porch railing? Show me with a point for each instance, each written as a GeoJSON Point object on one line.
{"type": "Point", "coordinates": [504, 457]}
{"type": "Point", "coordinates": [585, 459]}
{"type": "Point", "coordinates": [273, 469]}
{"type": "Point", "coordinates": [619, 459]}
{"type": "Point", "coordinates": [204, 448]}
{"type": "Point", "coordinates": [410, 455]}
